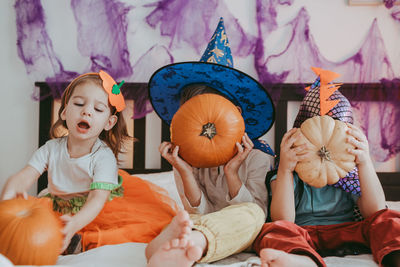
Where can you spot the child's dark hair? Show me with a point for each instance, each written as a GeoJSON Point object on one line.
{"type": "Point", "coordinates": [114, 138]}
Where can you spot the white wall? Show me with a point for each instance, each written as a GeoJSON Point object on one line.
{"type": "Point", "coordinates": [338, 30]}
{"type": "Point", "coordinates": [19, 113]}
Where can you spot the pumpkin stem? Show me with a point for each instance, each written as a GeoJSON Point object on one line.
{"type": "Point", "coordinates": [209, 130]}
{"type": "Point", "coordinates": [324, 154]}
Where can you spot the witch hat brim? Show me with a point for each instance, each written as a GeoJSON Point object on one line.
{"type": "Point", "coordinates": [166, 84]}
{"type": "Point", "coordinates": [215, 69]}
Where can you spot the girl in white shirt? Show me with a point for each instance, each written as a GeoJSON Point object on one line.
{"type": "Point", "coordinates": [83, 175]}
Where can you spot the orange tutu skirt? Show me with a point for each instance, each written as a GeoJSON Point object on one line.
{"type": "Point", "coordinates": [138, 216]}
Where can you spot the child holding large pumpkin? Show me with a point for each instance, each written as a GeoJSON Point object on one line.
{"type": "Point", "coordinates": [310, 221]}
{"type": "Point", "coordinates": [84, 183]}
{"type": "Point", "coordinates": [227, 203]}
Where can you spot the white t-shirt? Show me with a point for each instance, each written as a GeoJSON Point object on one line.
{"type": "Point", "coordinates": [72, 176]}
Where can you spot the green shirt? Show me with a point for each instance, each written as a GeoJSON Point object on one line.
{"type": "Point", "coordinates": [322, 206]}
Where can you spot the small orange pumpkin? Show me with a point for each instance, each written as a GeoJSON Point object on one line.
{"type": "Point", "coordinates": [329, 160]}
{"type": "Point", "coordinates": [30, 232]}
{"type": "Point", "coordinates": [206, 129]}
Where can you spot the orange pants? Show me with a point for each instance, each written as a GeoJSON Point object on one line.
{"type": "Point", "coordinates": [380, 232]}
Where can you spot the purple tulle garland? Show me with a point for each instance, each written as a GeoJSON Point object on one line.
{"type": "Point", "coordinates": [102, 30]}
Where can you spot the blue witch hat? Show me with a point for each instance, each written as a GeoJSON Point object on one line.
{"type": "Point", "coordinates": [218, 50]}
{"type": "Point", "coordinates": [215, 69]}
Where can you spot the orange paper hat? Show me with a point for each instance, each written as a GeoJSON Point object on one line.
{"type": "Point", "coordinates": [325, 77]}
{"type": "Point", "coordinates": [113, 90]}
{"type": "Point", "coordinates": [323, 98]}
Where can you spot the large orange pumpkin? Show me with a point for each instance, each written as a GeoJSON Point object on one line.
{"type": "Point", "coordinates": [329, 160]}
{"type": "Point", "coordinates": [30, 233]}
{"type": "Point", "coordinates": [206, 129]}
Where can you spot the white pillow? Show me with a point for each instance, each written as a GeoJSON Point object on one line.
{"type": "Point", "coordinates": [393, 205]}
{"type": "Point", "coordinates": [165, 180]}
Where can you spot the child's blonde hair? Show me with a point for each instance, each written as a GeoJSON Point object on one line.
{"type": "Point", "coordinates": [115, 137]}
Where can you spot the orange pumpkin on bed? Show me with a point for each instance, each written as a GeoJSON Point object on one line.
{"type": "Point", "coordinates": [30, 232]}
{"type": "Point", "coordinates": [329, 159]}
{"type": "Point", "coordinates": [206, 129]}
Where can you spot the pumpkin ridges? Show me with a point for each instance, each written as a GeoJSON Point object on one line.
{"type": "Point", "coordinates": [209, 147]}
{"type": "Point", "coordinates": [226, 146]}
{"type": "Point", "coordinates": [198, 115]}
{"type": "Point", "coordinates": [213, 115]}
{"type": "Point", "coordinates": [13, 225]}
{"type": "Point", "coordinates": [6, 238]}
{"type": "Point", "coordinates": [340, 141]}
{"type": "Point", "coordinates": [319, 180]}
{"type": "Point", "coordinates": [346, 165]}
{"type": "Point", "coordinates": [29, 221]}
{"type": "Point", "coordinates": [343, 167]}
{"type": "Point", "coordinates": [232, 113]}
{"type": "Point", "coordinates": [313, 176]}
{"type": "Point", "coordinates": [339, 132]}
{"type": "Point", "coordinates": [309, 164]}
{"type": "Point", "coordinates": [343, 160]}
{"type": "Point", "coordinates": [39, 238]}
{"type": "Point", "coordinates": [332, 173]}
{"type": "Point", "coordinates": [339, 162]}
{"type": "Point", "coordinates": [328, 129]}
{"type": "Point", "coordinates": [187, 124]}
{"type": "Point", "coordinates": [342, 157]}
{"type": "Point", "coordinates": [219, 157]}
{"type": "Point", "coordinates": [304, 140]}
{"type": "Point", "coordinates": [340, 171]}
{"type": "Point", "coordinates": [313, 137]}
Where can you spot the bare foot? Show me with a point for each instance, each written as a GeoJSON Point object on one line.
{"type": "Point", "coordinates": [273, 257]}
{"type": "Point", "coordinates": [176, 253]}
{"type": "Point", "coordinates": [178, 228]}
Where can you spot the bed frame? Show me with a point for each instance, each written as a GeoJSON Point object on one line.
{"type": "Point", "coordinates": [286, 92]}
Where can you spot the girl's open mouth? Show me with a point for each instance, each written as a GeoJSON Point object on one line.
{"type": "Point", "coordinates": [83, 127]}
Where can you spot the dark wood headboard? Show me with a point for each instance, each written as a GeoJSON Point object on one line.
{"type": "Point", "coordinates": [284, 93]}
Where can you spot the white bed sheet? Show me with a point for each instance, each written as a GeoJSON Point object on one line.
{"type": "Point", "coordinates": [132, 254]}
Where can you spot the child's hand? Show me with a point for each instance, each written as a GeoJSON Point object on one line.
{"type": "Point", "coordinates": [360, 141]}
{"type": "Point", "coordinates": [68, 230]}
{"type": "Point", "coordinates": [18, 184]}
{"type": "Point", "coordinates": [289, 155]}
{"type": "Point", "coordinates": [173, 158]}
{"type": "Point", "coordinates": [232, 166]}
{"type": "Point", "coordinates": [11, 193]}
